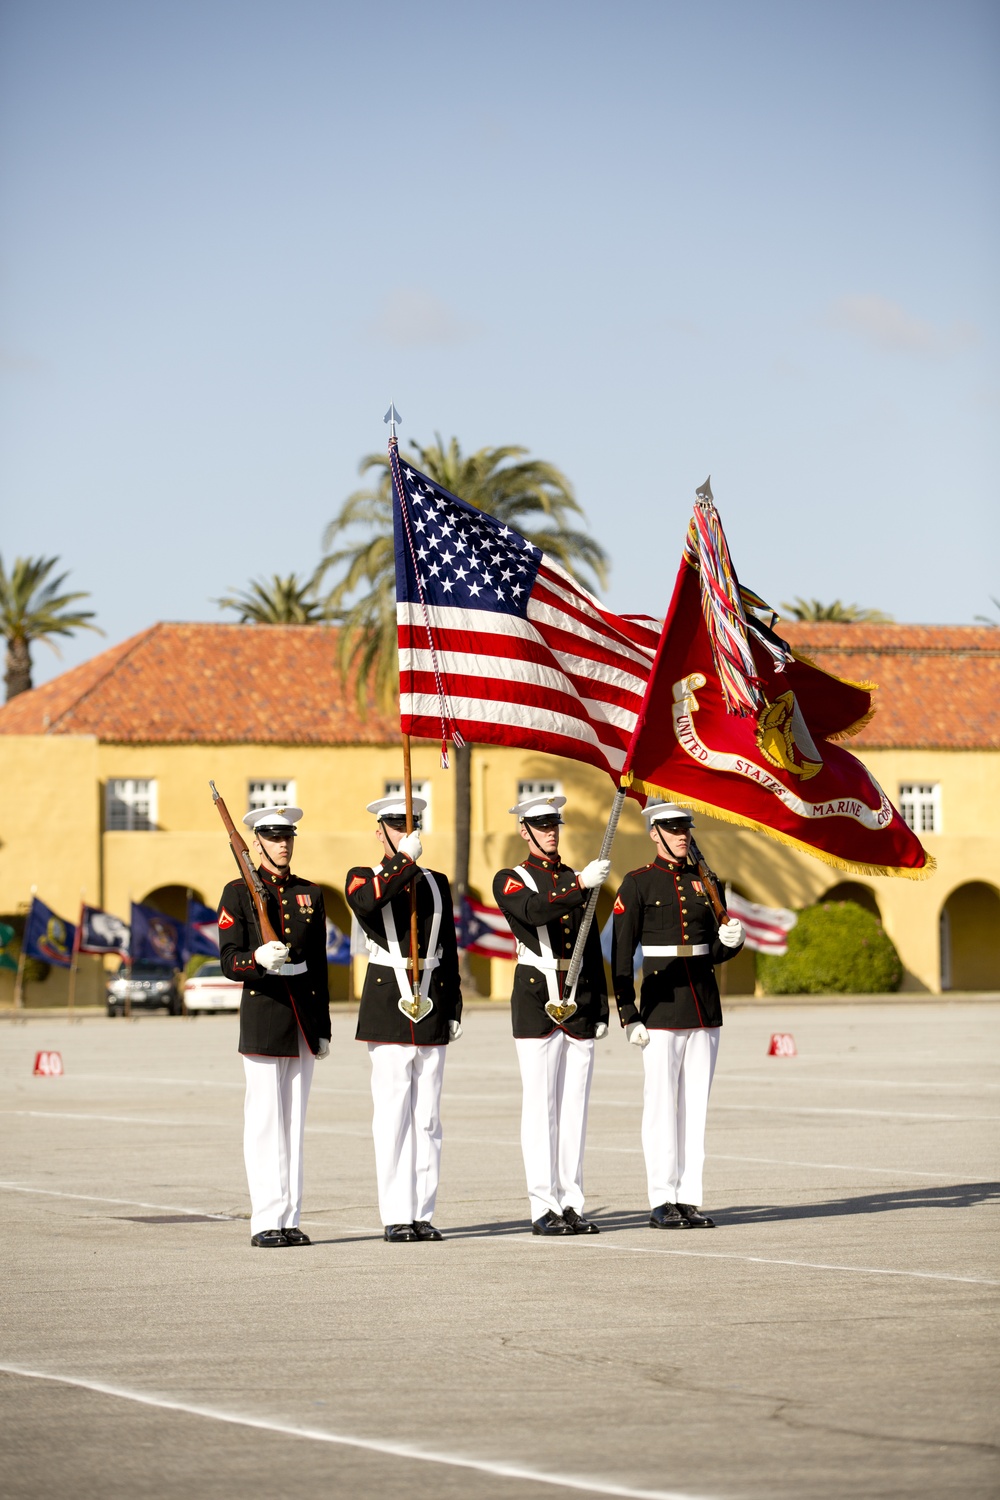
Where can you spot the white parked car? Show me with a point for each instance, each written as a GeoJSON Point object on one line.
{"type": "Point", "coordinates": [209, 990]}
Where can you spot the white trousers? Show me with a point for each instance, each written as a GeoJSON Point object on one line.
{"type": "Point", "coordinates": [556, 1072]}
{"type": "Point", "coordinates": [679, 1066]}
{"type": "Point", "coordinates": [274, 1118]}
{"type": "Point", "coordinates": [406, 1128]}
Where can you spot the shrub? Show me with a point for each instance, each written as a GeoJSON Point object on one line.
{"type": "Point", "coordinates": [835, 948]}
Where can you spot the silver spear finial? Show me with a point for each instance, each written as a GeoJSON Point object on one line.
{"type": "Point", "coordinates": [705, 491]}
{"type": "Point", "coordinates": [392, 417]}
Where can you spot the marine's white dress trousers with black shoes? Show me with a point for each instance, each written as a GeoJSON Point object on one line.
{"type": "Point", "coordinates": [676, 1020]}
{"type": "Point", "coordinates": [407, 1056]}
{"type": "Point", "coordinates": [543, 901]}
{"type": "Point", "coordinates": [284, 1026]}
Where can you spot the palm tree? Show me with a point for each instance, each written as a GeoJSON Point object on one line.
{"type": "Point", "coordinates": [988, 619]}
{"type": "Point", "coordinates": [32, 609]}
{"type": "Point", "coordinates": [527, 494]}
{"type": "Point", "coordinates": [841, 614]}
{"type": "Point", "coordinates": [282, 601]}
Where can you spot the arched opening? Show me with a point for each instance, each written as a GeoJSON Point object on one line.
{"type": "Point", "coordinates": [970, 938]}
{"type": "Point", "coordinates": [172, 900]}
{"type": "Point", "coordinates": [853, 890]}
{"type": "Point", "coordinates": [338, 912]}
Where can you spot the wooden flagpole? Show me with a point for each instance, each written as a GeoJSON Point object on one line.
{"type": "Point", "coordinates": [414, 932]}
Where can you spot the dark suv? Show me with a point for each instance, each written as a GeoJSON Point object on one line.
{"type": "Point", "coordinates": [147, 984]}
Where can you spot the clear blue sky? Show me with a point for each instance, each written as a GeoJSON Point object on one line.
{"type": "Point", "coordinates": [645, 240]}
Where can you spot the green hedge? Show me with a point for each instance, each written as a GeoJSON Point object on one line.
{"type": "Point", "coordinates": [836, 948]}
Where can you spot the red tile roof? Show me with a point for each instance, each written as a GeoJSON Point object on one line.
{"type": "Point", "coordinates": [939, 685]}
{"type": "Point", "coordinates": [205, 684]}
{"type": "Point", "coordinates": [279, 684]}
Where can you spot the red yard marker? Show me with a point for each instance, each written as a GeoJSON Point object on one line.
{"type": "Point", "coordinates": [48, 1065]}
{"type": "Point", "coordinates": [782, 1045]}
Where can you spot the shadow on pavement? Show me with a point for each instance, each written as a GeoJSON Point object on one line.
{"type": "Point", "coordinates": [957, 1195]}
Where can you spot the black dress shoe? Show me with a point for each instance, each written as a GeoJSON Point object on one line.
{"type": "Point", "coordinates": [296, 1237]}
{"type": "Point", "coordinates": [667, 1216]}
{"type": "Point", "coordinates": [269, 1239]}
{"type": "Point", "coordinates": [692, 1218]}
{"type": "Point", "coordinates": [424, 1230]}
{"type": "Point", "coordinates": [550, 1223]}
{"type": "Point", "coordinates": [397, 1233]}
{"type": "Point", "coordinates": [578, 1223]}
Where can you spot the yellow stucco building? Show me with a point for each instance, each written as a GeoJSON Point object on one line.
{"type": "Point", "coordinates": [106, 773]}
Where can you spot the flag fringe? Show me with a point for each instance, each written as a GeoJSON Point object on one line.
{"type": "Point", "coordinates": [850, 865]}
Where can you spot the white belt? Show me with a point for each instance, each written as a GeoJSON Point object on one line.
{"type": "Point", "coordinates": [544, 961]}
{"type": "Point", "coordinates": [681, 950]}
{"type": "Point", "coordinates": [291, 969]}
{"type": "Point", "coordinates": [378, 956]}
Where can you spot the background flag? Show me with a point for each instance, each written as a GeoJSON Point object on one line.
{"type": "Point", "coordinates": [766, 927]}
{"type": "Point", "coordinates": [755, 744]}
{"type": "Point", "coordinates": [338, 946]}
{"type": "Point", "coordinates": [156, 936]}
{"type": "Point", "coordinates": [7, 960]}
{"type": "Point", "coordinates": [498, 644]}
{"type": "Point", "coordinates": [47, 936]}
{"type": "Point", "coordinates": [100, 932]}
{"type": "Point", "coordinates": [201, 930]}
{"type": "Point", "coordinates": [484, 930]}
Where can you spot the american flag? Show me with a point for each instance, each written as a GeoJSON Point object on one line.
{"type": "Point", "coordinates": [498, 644]}
{"type": "Point", "coordinates": [766, 927]}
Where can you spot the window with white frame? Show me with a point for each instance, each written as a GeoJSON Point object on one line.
{"type": "Point", "coordinates": [129, 804]}
{"type": "Point", "coordinates": [420, 789]}
{"type": "Point", "coordinates": [270, 794]}
{"type": "Point", "coordinates": [526, 789]}
{"type": "Point", "coordinates": [920, 805]}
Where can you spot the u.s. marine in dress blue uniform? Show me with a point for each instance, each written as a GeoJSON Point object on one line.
{"type": "Point", "coordinates": [543, 900]}
{"type": "Point", "coordinates": [284, 1021]}
{"type": "Point", "coordinates": [407, 1054]}
{"type": "Point", "coordinates": [678, 1016]}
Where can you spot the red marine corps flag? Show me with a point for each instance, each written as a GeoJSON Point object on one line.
{"type": "Point", "coordinates": [735, 724]}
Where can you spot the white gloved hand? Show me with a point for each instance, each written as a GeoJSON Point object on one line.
{"type": "Point", "coordinates": [596, 873]}
{"type": "Point", "coordinates": [637, 1034]}
{"type": "Point", "coordinates": [454, 1030]}
{"type": "Point", "coordinates": [731, 933]}
{"type": "Point", "coordinates": [323, 1050]}
{"type": "Point", "coordinates": [600, 1031]}
{"type": "Point", "coordinates": [411, 846]}
{"type": "Point", "coordinates": [271, 956]}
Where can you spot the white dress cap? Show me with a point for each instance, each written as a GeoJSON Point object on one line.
{"type": "Point", "coordinates": [273, 817]}
{"type": "Point", "coordinates": [667, 812]}
{"type": "Point", "coordinates": [395, 806]}
{"type": "Point", "coordinates": [538, 807]}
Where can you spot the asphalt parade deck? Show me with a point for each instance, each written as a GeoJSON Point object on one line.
{"type": "Point", "coordinates": [833, 1336]}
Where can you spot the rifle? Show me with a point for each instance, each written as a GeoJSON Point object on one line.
{"type": "Point", "coordinates": [248, 870]}
{"type": "Point", "coordinates": [711, 883]}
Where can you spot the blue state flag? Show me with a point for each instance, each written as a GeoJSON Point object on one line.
{"type": "Point", "coordinates": [201, 931]}
{"type": "Point", "coordinates": [100, 932]}
{"type": "Point", "coordinates": [47, 936]}
{"type": "Point", "coordinates": [338, 946]}
{"type": "Point", "coordinates": [156, 936]}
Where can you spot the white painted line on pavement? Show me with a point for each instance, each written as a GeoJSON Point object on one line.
{"type": "Point", "coordinates": [371, 1445]}
{"type": "Point", "coordinates": [882, 1083]}
{"type": "Point", "coordinates": [169, 1208]}
{"type": "Point", "coordinates": [833, 1166]}
{"type": "Point", "coordinates": [881, 1114]}
{"type": "Point", "coordinates": [65, 1114]}
{"type": "Point", "coordinates": [811, 1265]}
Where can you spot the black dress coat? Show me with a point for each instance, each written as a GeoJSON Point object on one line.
{"type": "Point", "coordinates": [558, 907]}
{"type": "Point", "coordinates": [275, 1007]}
{"type": "Point", "coordinates": [664, 905]}
{"type": "Point", "coordinates": [369, 892]}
